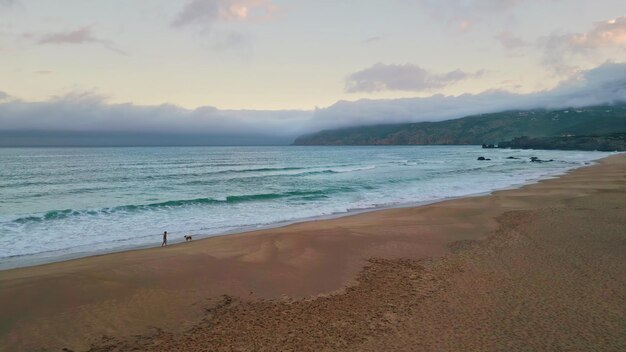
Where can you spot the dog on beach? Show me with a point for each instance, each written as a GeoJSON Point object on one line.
{"type": "Point", "coordinates": [187, 238]}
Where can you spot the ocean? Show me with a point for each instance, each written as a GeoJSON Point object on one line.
{"type": "Point", "coordinates": [58, 203]}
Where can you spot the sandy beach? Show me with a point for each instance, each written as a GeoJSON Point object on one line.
{"type": "Point", "coordinates": [537, 268]}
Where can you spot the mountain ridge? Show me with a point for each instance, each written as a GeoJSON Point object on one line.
{"type": "Point", "coordinates": [491, 128]}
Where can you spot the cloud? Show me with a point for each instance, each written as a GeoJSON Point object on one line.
{"type": "Point", "coordinates": [461, 25]}
{"type": "Point", "coordinates": [82, 35]}
{"type": "Point", "coordinates": [605, 84]}
{"type": "Point", "coordinates": [558, 48]}
{"type": "Point", "coordinates": [89, 111]}
{"type": "Point", "coordinates": [8, 6]}
{"type": "Point", "coordinates": [79, 36]}
{"type": "Point", "coordinates": [462, 15]}
{"type": "Point", "coordinates": [611, 33]}
{"type": "Point", "coordinates": [205, 13]}
{"type": "Point", "coordinates": [372, 40]}
{"type": "Point", "coordinates": [239, 42]}
{"type": "Point", "coordinates": [90, 116]}
{"type": "Point", "coordinates": [8, 3]}
{"type": "Point", "coordinates": [407, 77]}
{"type": "Point", "coordinates": [4, 96]}
{"type": "Point", "coordinates": [510, 41]}
{"type": "Point", "coordinates": [451, 8]}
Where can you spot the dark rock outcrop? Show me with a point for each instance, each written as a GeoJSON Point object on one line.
{"type": "Point", "coordinates": [534, 159]}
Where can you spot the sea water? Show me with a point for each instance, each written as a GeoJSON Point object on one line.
{"type": "Point", "coordinates": [58, 203]}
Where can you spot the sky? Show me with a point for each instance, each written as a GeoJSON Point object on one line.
{"type": "Point", "coordinates": [281, 68]}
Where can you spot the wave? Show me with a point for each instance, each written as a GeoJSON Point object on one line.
{"type": "Point", "coordinates": [170, 176]}
{"type": "Point", "coordinates": [233, 199]}
{"type": "Point", "coordinates": [296, 174]}
{"type": "Point", "coordinates": [403, 162]}
{"type": "Point", "coordinates": [175, 176]}
{"type": "Point", "coordinates": [348, 169]}
{"type": "Point", "coordinates": [242, 171]}
{"type": "Point", "coordinates": [339, 170]}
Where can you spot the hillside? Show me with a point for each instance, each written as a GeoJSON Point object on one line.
{"type": "Point", "coordinates": [607, 143]}
{"type": "Point", "coordinates": [478, 129]}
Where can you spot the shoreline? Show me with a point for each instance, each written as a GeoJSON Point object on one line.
{"type": "Point", "coordinates": [39, 259]}
{"type": "Point", "coordinates": [343, 273]}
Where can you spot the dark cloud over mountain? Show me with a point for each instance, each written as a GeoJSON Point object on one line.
{"type": "Point", "coordinates": [64, 119]}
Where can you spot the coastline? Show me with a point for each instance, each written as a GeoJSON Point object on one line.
{"type": "Point", "coordinates": [130, 293]}
{"type": "Point", "coordinates": [44, 259]}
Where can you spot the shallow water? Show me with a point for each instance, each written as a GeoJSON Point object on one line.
{"type": "Point", "coordinates": [58, 202]}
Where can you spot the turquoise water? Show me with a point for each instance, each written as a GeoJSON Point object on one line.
{"type": "Point", "coordinates": [60, 202]}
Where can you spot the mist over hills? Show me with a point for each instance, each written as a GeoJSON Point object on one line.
{"type": "Point", "coordinates": [483, 128]}
{"type": "Point", "coordinates": [87, 119]}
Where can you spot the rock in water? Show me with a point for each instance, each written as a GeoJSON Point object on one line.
{"type": "Point", "coordinates": [534, 159]}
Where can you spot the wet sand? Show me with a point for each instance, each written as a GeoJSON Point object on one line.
{"type": "Point", "coordinates": [542, 267]}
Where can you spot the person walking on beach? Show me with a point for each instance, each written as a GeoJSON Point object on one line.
{"type": "Point", "coordinates": [164, 239]}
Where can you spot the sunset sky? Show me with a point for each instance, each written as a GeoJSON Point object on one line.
{"type": "Point", "coordinates": [84, 64]}
{"type": "Point", "coordinates": [273, 54]}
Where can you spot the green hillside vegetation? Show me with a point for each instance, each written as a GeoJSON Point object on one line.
{"type": "Point", "coordinates": [480, 129]}
{"type": "Point", "coordinates": [606, 143]}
